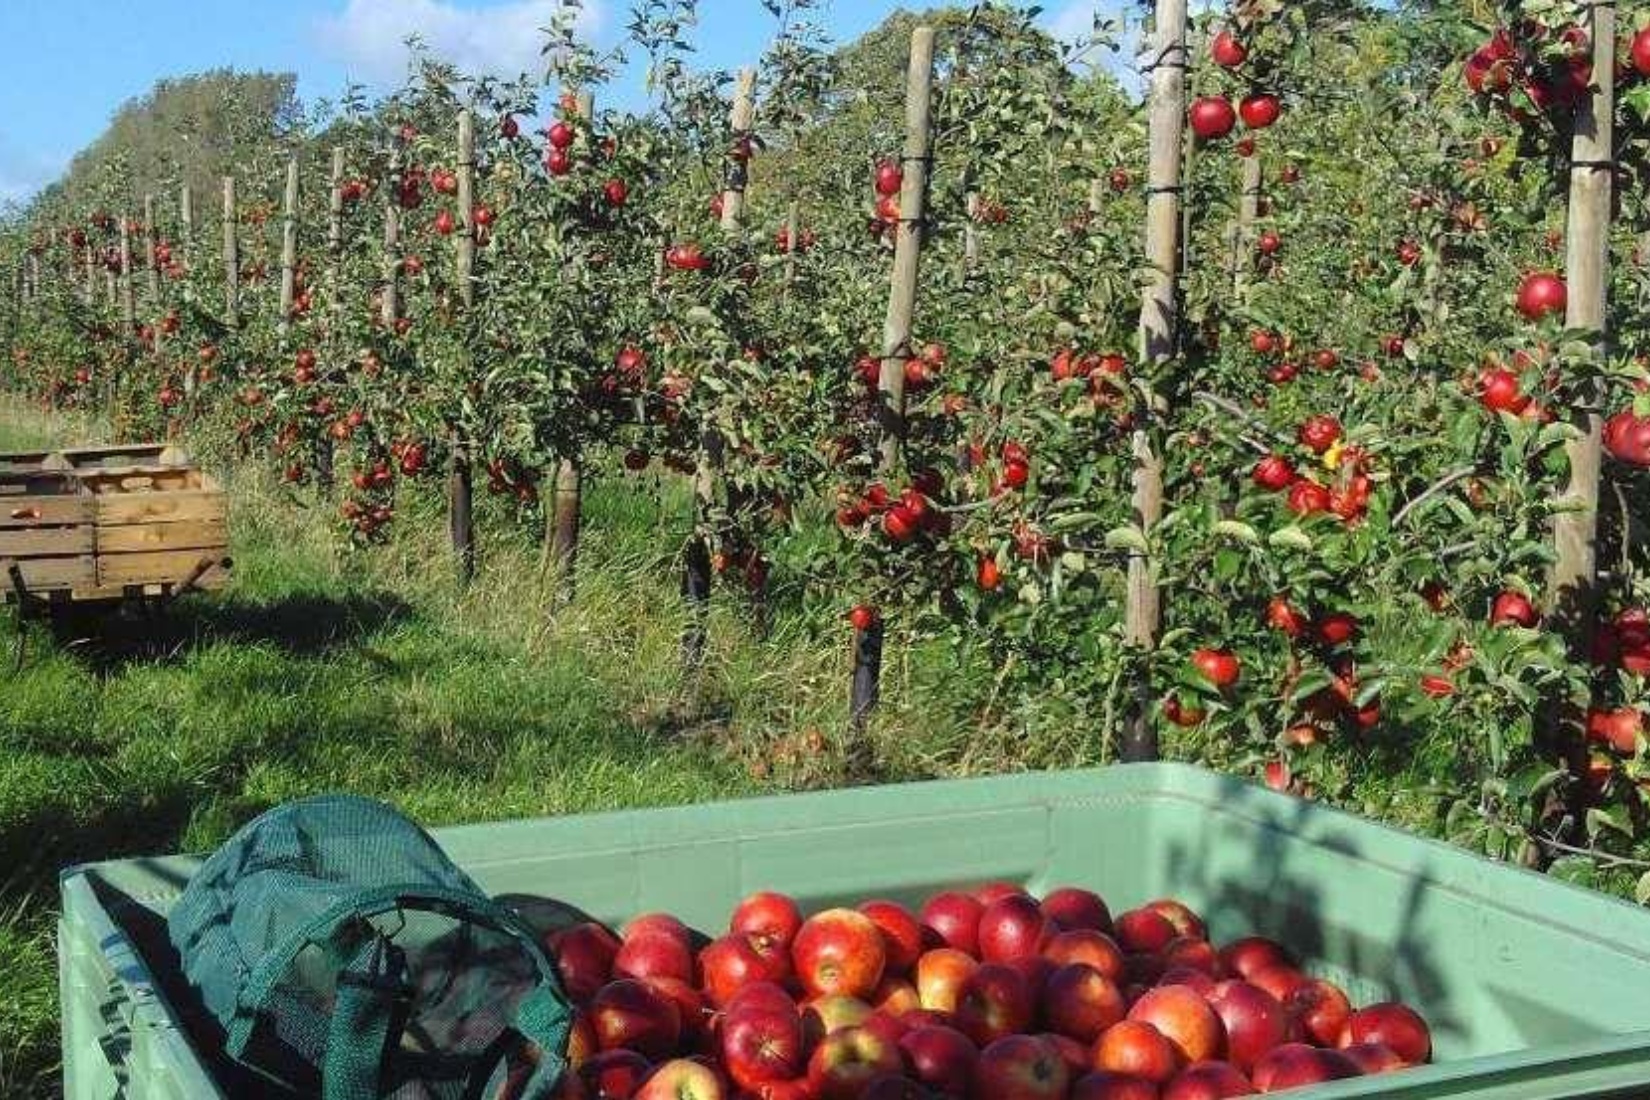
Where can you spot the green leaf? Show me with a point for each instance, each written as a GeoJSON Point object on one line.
{"type": "Point", "coordinates": [1290, 538]}
{"type": "Point", "coordinates": [1127, 537]}
{"type": "Point", "coordinates": [1233, 529]}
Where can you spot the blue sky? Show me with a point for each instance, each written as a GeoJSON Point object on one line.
{"type": "Point", "coordinates": [71, 63]}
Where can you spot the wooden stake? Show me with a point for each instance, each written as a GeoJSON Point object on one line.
{"type": "Point", "coordinates": [1159, 322]}
{"type": "Point", "coordinates": [793, 235]}
{"type": "Point", "coordinates": [1573, 579]}
{"type": "Point", "coordinates": [289, 246]}
{"type": "Point", "coordinates": [1248, 212]}
{"type": "Point", "coordinates": [128, 302]}
{"type": "Point", "coordinates": [186, 218]}
{"type": "Point", "coordinates": [335, 232]}
{"type": "Point", "coordinates": [744, 110]}
{"type": "Point", "coordinates": [231, 257]}
{"type": "Point", "coordinates": [971, 234]}
{"type": "Point", "coordinates": [902, 297]}
{"type": "Point", "coordinates": [460, 480]}
{"type": "Point", "coordinates": [389, 305]}
{"type": "Point", "coordinates": [151, 244]}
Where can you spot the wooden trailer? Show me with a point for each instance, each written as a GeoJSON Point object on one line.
{"type": "Point", "coordinates": [108, 524]}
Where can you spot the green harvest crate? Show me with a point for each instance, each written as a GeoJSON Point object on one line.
{"type": "Point", "coordinates": [1533, 988]}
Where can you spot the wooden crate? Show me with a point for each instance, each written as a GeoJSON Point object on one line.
{"type": "Point", "coordinates": [47, 532]}
{"type": "Point", "coordinates": [156, 525]}
{"type": "Point", "coordinates": [108, 528]}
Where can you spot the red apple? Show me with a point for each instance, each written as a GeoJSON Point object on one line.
{"type": "Point", "coordinates": [683, 1079]}
{"type": "Point", "coordinates": [1185, 921]}
{"type": "Point", "coordinates": [1071, 907]}
{"type": "Point", "coordinates": [654, 954]}
{"type": "Point", "coordinates": [839, 951]}
{"type": "Point", "coordinates": [940, 977]}
{"type": "Point", "coordinates": [1198, 981]}
{"type": "Point", "coordinates": [1147, 930]}
{"type": "Point", "coordinates": [824, 1016]}
{"type": "Point", "coordinates": [895, 997]}
{"type": "Point", "coordinates": [902, 934]}
{"type": "Point", "coordinates": [1084, 945]}
{"type": "Point", "coordinates": [767, 918]}
{"type": "Point", "coordinates": [1541, 293]}
{"type": "Point", "coordinates": [1211, 117]}
{"type": "Point", "coordinates": [997, 891]}
{"type": "Point", "coordinates": [1373, 1058]}
{"type": "Point", "coordinates": [1192, 952]}
{"type": "Point", "coordinates": [994, 1001]}
{"type": "Point", "coordinates": [1254, 953]}
{"type": "Point", "coordinates": [956, 919]}
{"type": "Point", "coordinates": [690, 1005]}
{"type": "Point", "coordinates": [1137, 1049]}
{"type": "Point", "coordinates": [1279, 981]}
{"type": "Point", "coordinates": [1011, 927]}
{"type": "Point", "coordinates": [1514, 609]}
{"type": "Point", "coordinates": [1185, 1019]}
{"type": "Point", "coordinates": [1393, 1025]}
{"type": "Point", "coordinates": [940, 1057]}
{"type": "Point", "coordinates": [583, 954]}
{"type": "Point", "coordinates": [1254, 1020]}
{"type": "Point", "coordinates": [614, 1074]}
{"type": "Point", "coordinates": [1020, 1067]}
{"type": "Point", "coordinates": [1227, 51]}
{"type": "Point", "coordinates": [848, 1060]}
{"type": "Point", "coordinates": [1294, 1065]}
{"type": "Point", "coordinates": [1319, 1010]}
{"type": "Point", "coordinates": [731, 963]}
{"type": "Point", "coordinates": [629, 1014]}
{"type": "Point", "coordinates": [1081, 1002]}
{"type": "Point", "coordinates": [761, 1046]}
{"type": "Point", "coordinates": [1208, 1081]}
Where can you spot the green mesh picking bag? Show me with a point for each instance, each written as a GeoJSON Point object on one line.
{"type": "Point", "coordinates": [344, 956]}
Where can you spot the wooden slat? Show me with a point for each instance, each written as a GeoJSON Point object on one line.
{"type": "Point", "coordinates": [56, 511]}
{"type": "Point", "coordinates": [45, 542]}
{"type": "Point", "coordinates": [166, 567]}
{"type": "Point", "coordinates": [148, 537]}
{"type": "Point", "coordinates": [43, 574]}
{"type": "Point", "coordinates": [126, 454]}
{"type": "Point", "coordinates": [198, 506]}
{"type": "Point", "coordinates": [139, 479]}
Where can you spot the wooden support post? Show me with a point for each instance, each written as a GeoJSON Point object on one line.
{"type": "Point", "coordinates": [897, 326]}
{"type": "Point", "coordinates": [151, 246]}
{"type": "Point", "coordinates": [793, 237]}
{"type": "Point", "coordinates": [128, 301]}
{"type": "Point", "coordinates": [460, 477]}
{"type": "Point", "coordinates": [902, 297]}
{"type": "Point", "coordinates": [231, 257]}
{"type": "Point", "coordinates": [1244, 228]}
{"type": "Point", "coordinates": [1159, 325]}
{"type": "Point", "coordinates": [289, 246]}
{"type": "Point", "coordinates": [1573, 578]}
{"type": "Point", "coordinates": [744, 111]}
{"type": "Point", "coordinates": [389, 302]}
{"type": "Point", "coordinates": [971, 234]}
{"type": "Point", "coordinates": [186, 220]}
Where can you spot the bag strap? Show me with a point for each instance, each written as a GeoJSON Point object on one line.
{"type": "Point", "coordinates": [374, 995]}
{"type": "Point", "coordinates": [544, 1022]}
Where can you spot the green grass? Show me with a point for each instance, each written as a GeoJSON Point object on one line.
{"type": "Point", "coordinates": [324, 668]}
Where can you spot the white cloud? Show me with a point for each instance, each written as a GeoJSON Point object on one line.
{"type": "Point", "coordinates": [498, 39]}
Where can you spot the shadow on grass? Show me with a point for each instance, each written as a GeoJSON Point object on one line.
{"type": "Point", "coordinates": [301, 625]}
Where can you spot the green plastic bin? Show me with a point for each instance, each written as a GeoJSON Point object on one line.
{"type": "Point", "coordinates": [1533, 988]}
